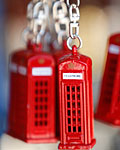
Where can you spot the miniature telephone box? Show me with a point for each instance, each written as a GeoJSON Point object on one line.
{"type": "Point", "coordinates": [32, 98]}
{"type": "Point", "coordinates": [76, 102]}
{"type": "Point", "coordinates": [108, 109]}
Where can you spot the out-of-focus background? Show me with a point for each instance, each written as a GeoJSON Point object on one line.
{"type": "Point", "coordinates": [99, 19]}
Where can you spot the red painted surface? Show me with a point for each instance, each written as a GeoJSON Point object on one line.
{"type": "Point", "coordinates": [108, 110]}
{"type": "Point", "coordinates": [32, 115]}
{"type": "Point", "coordinates": [76, 102]}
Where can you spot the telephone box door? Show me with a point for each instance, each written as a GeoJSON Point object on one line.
{"type": "Point", "coordinates": [108, 83]}
{"type": "Point", "coordinates": [42, 103]}
{"type": "Point", "coordinates": [73, 103]}
{"type": "Point", "coordinates": [116, 90]}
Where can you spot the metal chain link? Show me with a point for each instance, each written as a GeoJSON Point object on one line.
{"type": "Point", "coordinates": [74, 14]}
{"type": "Point", "coordinates": [61, 20]}
{"type": "Point", "coordinates": [40, 15]}
{"type": "Point", "coordinates": [37, 14]}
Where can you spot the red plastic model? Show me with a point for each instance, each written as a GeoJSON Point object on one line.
{"type": "Point", "coordinates": [108, 109]}
{"type": "Point", "coordinates": [32, 98]}
{"type": "Point", "coordinates": [76, 102]}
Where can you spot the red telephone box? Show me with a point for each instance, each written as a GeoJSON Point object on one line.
{"type": "Point", "coordinates": [108, 109]}
{"type": "Point", "coordinates": [76, 102]}
{"type": "Point", "coordinates": [32, 99]}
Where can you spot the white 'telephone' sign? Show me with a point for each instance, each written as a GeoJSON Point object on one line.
{"type": "Point", "coordinates": [114, 49]}
{"type": "Point", "coordinates": [22, 70]}
{"type": "Point", "coordinates": [42, 71]}
{"type": "Point", "coordinates": [73, 76]}
{"type": "Point", "coordinates": [13, 67]}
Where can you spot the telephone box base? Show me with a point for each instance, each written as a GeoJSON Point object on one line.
{"type": "Point", "coordinates": [35, 140]}
{"type": "Point", "coordinates": [108, 119]}
{"type": "Point", "coordinates": [77, 146]}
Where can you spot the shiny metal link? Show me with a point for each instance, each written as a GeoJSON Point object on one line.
{"type": "Point", "coordinates": [62, 26]}
{"type": "Point", "coordinates": [40, 15]}
{"type": "Point", "coordinates": [78, 3]}
{"type": "Point", "coordinates": [74, 14]}
{"type": "Point", "coordinates": [37, 14]}
{"type": "Point", "coordinates": [61, 20]}
{"type": "Point", "coordinates": [59, 10]}
{"type": "Point", "coordinates": [41, 11]}
{"type": "Point", "coordinates": [74, 30]}
{"type": "Point", "coordinates": [28, 33]}
{"type": "Point", "coordinates": [69, 41]}
{"type": "Point", "coordinates": [74, 17]}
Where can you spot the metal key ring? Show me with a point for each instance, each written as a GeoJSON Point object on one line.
{"type": "Point", "coordinates": [80, 42]}
{"type": "Point", "coordinates": [68, 3]}
{"type": "Point", "coordinates": [61, 13]}
{"type": "Point", "coordinates": [27, 35]}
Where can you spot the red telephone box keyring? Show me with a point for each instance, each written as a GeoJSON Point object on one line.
{"type": "Point", "coordinates": [108, 109]}
{"type": "Point", "coordinates": [75, 94]}
{"type": "Point", "coordinates": [76, 102]}
{"type": "Point", "coordinates": [32, 98]}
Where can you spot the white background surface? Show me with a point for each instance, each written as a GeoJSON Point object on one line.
{"type": "Point", "coordinates": [106, 136]}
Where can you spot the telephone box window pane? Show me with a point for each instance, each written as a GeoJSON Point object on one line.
{"type": "Point", "coordinates": [69, 121]}
{"type": "Point", "coordinates": [46, 83]}
{"type": "Point", "coordinates": [73, 105]}
{"type": "Point", "coordinates": [45, 123]}
{"type": "Point", "coordinates": [79, 129]}
{"type": "Point", "coordinates": [36, 83]}
{"type": "Point", "coordinates": [41, 107]}
{"type": "Point", "coordinates": [74, 113]}
{"type": "Point", "coordinates": [41, 123]}
{"type": "Point", "coordinates": [73, 96]}
{"type": "Point", "coordinates": [68, 97]}
{"type": "Point", "coordinates": [68, 112]}
{"type": "Point", "coordinates": [36, 115]}
{"type": "Point", "coordinates": [79, 120]}
{"type": "Point", "coordinates": [73, 89]}
{"type": "Point", "coordinates": [36, 99]}
{"type": "Point", "coordinates": [46, 91]}
{"type": "Point", "coordinates": [69, 129]}
{"type": "Point", "coordinates": [68, 89]}
{"type": "Point", "coordinates": [41, 115]}
{"type": "Point", "coordinates": [36, 91]}
{"type": "Point", "coordinates": [74, 129]}
{"type": "Point", "coordinates": [78, 89]}
{"type": "Point", "coordinates": [41, 83]}
{"type": "Point", "coordinates": [41, 99]}
{"type": "Point", "coordinates": [41, 91]}
{"type": "Point", "coordinates": [46, 99]}
{"type": "Point", "coordinates": [68, 104]}
{"type": "Point", "coordinates": [78, 96]}
{"type": "Point", "coordinates": [36, 123]}
{"type": "Point", "coordinates": [78, 104]}
{"type": "Point", "coordinates": [74, 120]}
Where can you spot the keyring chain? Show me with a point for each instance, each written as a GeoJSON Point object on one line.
{"type": "Point", "coordinates": [28, 32]}
{"type": "Point", "coordinates": [40, 15]}
{"type": "Point", "coordinates": [37, 14]}
{"type": "Point", "coordinates": [61, 20]}
{"type": "Point", "coordinates": [74, 23]}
